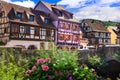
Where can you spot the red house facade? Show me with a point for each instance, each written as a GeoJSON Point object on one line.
{"type": "Point", "coordinates": [68, 30]}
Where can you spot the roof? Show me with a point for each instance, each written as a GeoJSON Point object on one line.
{"type": "Point", "coordinates": [95, 25]}
{"type": "Point", "coordinates": [116, 30]}
{"type": "Point", "coordinates": [8, 6]}
{"type": "Point", "coordinates": [12, 9]}
{"type": "Point", "coordinates": [50, 6]}
{"type": "Point", "coordinates": [53, 7]}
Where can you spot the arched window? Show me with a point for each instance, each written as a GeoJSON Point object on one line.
{"type": "Point", "coordinates": [32, 47]}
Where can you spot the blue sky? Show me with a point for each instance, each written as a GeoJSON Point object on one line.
{"type": "Point", "coordinates": [96, 9]}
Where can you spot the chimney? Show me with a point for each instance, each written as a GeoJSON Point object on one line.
{"type": "Point", "coordinates": [54, 4]}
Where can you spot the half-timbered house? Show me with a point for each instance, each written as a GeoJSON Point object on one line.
{"type": "Point", "coordinates": [95, 31]}
{"type": "Point", "coordinates": [26, 27]}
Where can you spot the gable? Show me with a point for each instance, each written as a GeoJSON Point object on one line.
{"type": "Point", "coordinates": [41, 7]}
{"type": "Point", "coordinates": [46, 8]}
{"type": "Point", "coordinates": [95, 25]}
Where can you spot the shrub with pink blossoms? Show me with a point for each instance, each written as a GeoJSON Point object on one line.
{"type": "Point", "coordinates": [59, 66]}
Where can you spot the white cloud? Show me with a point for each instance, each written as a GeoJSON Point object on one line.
{"type": "Point", "coordinates": [25, 3]}
{"type": "Point", "coordinates": [99, 10]}
{"type": "Point", "coordinates": [72, 3]}
{"type": "Point", "coordinates": [7, 0]}
{"type": "Point", "coordinates": [110, 1]}
{"type": "Point", "coordinates": [101, 13]}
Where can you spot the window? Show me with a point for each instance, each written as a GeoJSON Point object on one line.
{"type": "Point", "coordinates": [107, 34]}
{"type": "Point", "coordinates": [102, 34]}
{"type": "Point", "coordinates": [61, 37]}
{"type": "Point", "coordinates": [96, 34]}
{"type": "Point", "coordinates": [22, 32]}
{"type": "Point", "coordinates": [37, 31]}
{"type": "Point", "coordinates": [62, 25]}
{"type": "Point", "coordinates": [31, 18]}
{"type": "Point", "coordinates": [67, 37]}
{"type": "Point", "coordinates": [75, 38]}
{"type": "Point", "coordinates": [46, 20]}
{"type": "Point", "coordinates": [68, 27]}
{"type": "Point", "coordinates": [86, 28]}
{"type": "Point", "coordinates": [42, 33]}
{"type": "Point", "coordinates": [60, 13]}
{"type": "Point", "coordinates": [14, 29]}
{"type": "Point", "coordinates": [48, 33]}
{"type": "Point", "coordinates": [27, 30]}
{"type": "Point", "coordinates": [75, 28]}
{"type": "Point", "coordinates": [19, 15]}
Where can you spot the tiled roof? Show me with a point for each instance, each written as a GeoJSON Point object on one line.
{"type": "Point", "coordinates": [12, 9]}
{"type": "Point", "coordinates": [95, 25]}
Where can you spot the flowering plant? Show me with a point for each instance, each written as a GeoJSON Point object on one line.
{"type": "Point", "coordinates": [59, 65]}
{"type": "Point", "coordinates": [46, 69]}
{"type": "Point", "coordinates": [41, 70]}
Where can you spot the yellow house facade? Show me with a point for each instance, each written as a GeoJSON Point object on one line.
{"type": "Point", "coordinates": [113, 35]}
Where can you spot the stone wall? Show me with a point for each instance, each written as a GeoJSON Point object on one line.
{"type": "Point", "coordinates": [108, 52]}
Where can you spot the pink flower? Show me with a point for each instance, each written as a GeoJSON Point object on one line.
{"type": "Point", "coordinates": [34, 68]}
{"type": "Point", "coordinates": [60, 73]}
{"type": "Point", "coordinates": [47, 60]}
{"type": "Point", "coordinates": [49, 77]}
{"type": "Point", "coordinates": [39, 61]}
{"type": "Point", "coordinates": [45, 68]}
{"type": "Point", "coordinates": [56, 72]}
{"type": "Point", "coordinates": [94, 72]}
{"type": "Point", "coordinates": [70, 78]}
{"type": "Point", "coordinates": [28, 72]}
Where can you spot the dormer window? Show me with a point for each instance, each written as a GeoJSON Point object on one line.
{"type": "Point", "coordinates": [71, 16]}
{"type": "Point", "coordinates": [46, 20]}
{"type": "Point", "coordinates": [60, 13]}
{"type": "Point", "coordinates": [19, 15]}
{"type": "Point", "coordinates": [31, 18]}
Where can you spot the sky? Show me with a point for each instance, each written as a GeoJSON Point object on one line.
{"type": "Point", "coordinates": [106, 10]}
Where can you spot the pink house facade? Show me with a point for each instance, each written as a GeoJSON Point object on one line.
{"type": "Point", "coordinates": [68, 30]}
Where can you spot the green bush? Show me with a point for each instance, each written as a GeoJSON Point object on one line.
{"type": "Point", "coordinates": [97, 63]}
{"type": "Point", "coordinates": [117, 56]}
{"type": "Point", "coordinates": [12, 67]}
